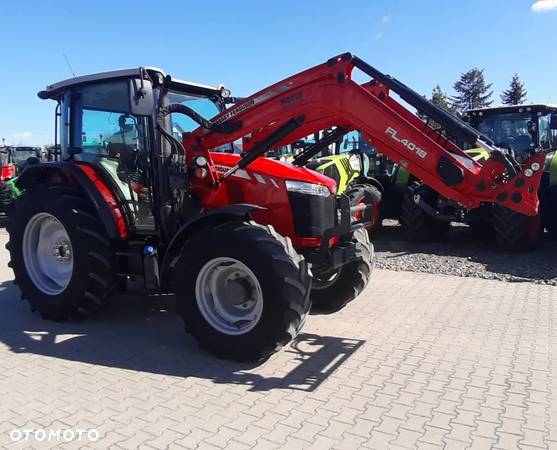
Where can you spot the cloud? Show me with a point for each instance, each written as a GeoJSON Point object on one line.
{"type": "Point", "coordinates": [21, 136]}
{"type": "Point", "coordinates": [540, 6]}
{"type": "Point", "coordinates": [379, 35]}
{"type": "Point", "coordinates": [386, 18]}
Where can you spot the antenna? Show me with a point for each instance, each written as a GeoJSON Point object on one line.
{"type": "Point", "coordinates": [68, 63]}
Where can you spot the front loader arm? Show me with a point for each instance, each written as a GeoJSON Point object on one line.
{"type": "Point", "coordinates": [325, 96]}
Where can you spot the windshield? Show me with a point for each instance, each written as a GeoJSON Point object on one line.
{"type": "Point", "coordinates": [355, 142]}
{"type": "Point", "coordinates": [514, 131]}
{"type": "Point", "coordinates": [182, 123]}
{"type": "Point", "coordinates": [20, 156]}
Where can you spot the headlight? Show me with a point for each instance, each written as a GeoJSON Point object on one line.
{"type": "Point", "coordinates": [354, 161]}
{"type": "Point", "coordinates": [307, 188]}
{"type": "Point", "coordinates": [201, 161]}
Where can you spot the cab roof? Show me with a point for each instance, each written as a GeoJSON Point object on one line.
{"type": "Point", "coordinates": [542, 107]}
{"type": "Point", "coordinates": [55, 90]}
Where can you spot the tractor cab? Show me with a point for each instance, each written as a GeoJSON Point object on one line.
{"type": "Point", "coordinates": [109, 121]}
{"type": "Point", "coordinates": [14, 159]}
{"type": "Point", "coordinates": [520, 129]}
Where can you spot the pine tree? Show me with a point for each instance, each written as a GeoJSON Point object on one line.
{"type": "Point", "coordinates": [472, 91]}
{"type": "Point", "coordinates": [516, 93]}
{"type": "Point", "coordinates": [439, 98]}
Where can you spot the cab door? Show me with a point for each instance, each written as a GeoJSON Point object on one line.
{"type": "Point", "coordinates": [101, 131]}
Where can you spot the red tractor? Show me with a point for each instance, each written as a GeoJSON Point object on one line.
{"type": "Point", "coordinates": [7, 170]}
{"type": "Point", "coordinates": [237, 238]}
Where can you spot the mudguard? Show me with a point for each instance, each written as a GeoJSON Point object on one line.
{"type": "Point", "coordinates": [71, 174]}
{"type": "Point", "coordinates": [239, 211]}
{"type": "Point", "coordinates": [371, 181]}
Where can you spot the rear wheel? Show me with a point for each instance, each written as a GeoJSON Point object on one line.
{"type": "Point", "coordinates": [62, 259]}
{"type": "Point", "coordinates": [333, 290]}
{"type": "Point", "coordinates": [242, 290]}
{"type": "Point", "coordinates": [416, 223]}
{"type": "Point", "coordinates": [514, 231]}
{"type": "Point", "coordinates": [358, 195]}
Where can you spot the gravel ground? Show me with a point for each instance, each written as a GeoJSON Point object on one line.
{"type": "Point", "coordinates": [462, 254]}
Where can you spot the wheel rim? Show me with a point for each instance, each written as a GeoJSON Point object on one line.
{"type": "Point", "coordinates": [47, 253]}
{"type": "Point", "coordinates": [325, 280]}
{"type": "Point", "coordinates": [359, 214]}
{"type": "Point", "coordinates": [229, 296]}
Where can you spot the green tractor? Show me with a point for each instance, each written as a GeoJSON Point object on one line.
{"type": "Point", "coordinates": [520, 129]}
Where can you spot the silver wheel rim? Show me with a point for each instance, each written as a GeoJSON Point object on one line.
{"type": "Point", "coordinates": [47, 253]}
{"type": "Point", "coordinates": [229, 296]}
{"type": "Point", "coordinates": [325, 281]}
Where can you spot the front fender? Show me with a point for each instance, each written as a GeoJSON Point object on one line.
{"type": "Point", "coordinates": [240, 211]}
{"type": "Point", "coordinates": [371, 181]}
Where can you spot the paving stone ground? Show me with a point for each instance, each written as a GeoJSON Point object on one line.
{"type": "Point", "coordinates": [418, 361]}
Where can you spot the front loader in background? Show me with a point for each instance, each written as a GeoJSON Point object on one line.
{"type": "Point", "coordinates": [231, 235]}
{"type": "Point", "coordinates": [520, 130]}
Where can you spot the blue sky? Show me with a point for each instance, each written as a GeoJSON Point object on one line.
{"type": "Point", "coordinates": [247, 44]}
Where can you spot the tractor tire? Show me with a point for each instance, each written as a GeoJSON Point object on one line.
{"type": "Point", "coordinates": [266, 298]}
{"type": "Point", "coordinates": [482, 230]}
{"type": "Point", "coordinates": [549, 211]}
{"type": "Point", "coordinates": [357, 195]}
{"type": "Point", "coordinates": [333, 291]}
{"type": "Point", "coordinates": [62, 259]}
{"type": "Point", "coordinates": [515, 232]}
{"type": "Point", "coordinates": [416, 224]}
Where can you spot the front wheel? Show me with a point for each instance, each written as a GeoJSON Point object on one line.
{"type": "Point", "coordinates": [358, 195]}
{"type": "Point", "coordinates": [416, 223]}
{"type": "Point", "coordinates": [333, 290]}
{"type": "Point", "coordinates": [242, 290]}
{"type": "Point", "coordinates": [516, 232]}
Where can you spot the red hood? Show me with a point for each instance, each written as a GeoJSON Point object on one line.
{"type": "Point", "coordinates": [276, 169]}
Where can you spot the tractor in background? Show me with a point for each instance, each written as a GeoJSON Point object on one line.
{"type": "Point", "coordinates": [14, 160]}
{"type": "Point", "coordinates": [520, 130]}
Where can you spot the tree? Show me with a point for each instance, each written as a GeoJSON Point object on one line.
{"type": "Point", "coordinates": [516, 93]}
{"type": "Point", "coordinates": [472, 91]}
{"type": "Point", "coordinates": [439, 98]}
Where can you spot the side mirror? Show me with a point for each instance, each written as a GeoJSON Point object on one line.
{"type": "Point", "coordinates": [553, 121]}
{"type": "Point", "coordinates": [142, 102]}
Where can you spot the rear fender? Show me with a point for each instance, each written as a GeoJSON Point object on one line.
{"type": "Point", "coordinates": [240, 211]}
{"type": "Point", "coordinates": [65, 173]}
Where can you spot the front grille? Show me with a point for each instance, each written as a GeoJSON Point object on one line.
{"type": "Point", "coordinates": [312, 214]}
